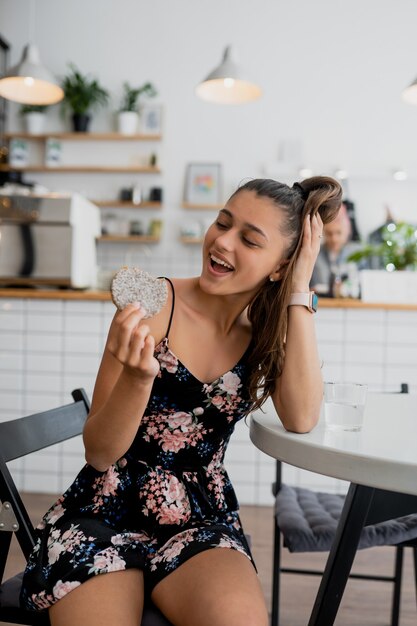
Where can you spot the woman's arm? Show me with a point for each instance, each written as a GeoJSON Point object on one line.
{"type": "Point", "coordinates": [123, 386]}
{"type": "Point", "coordinates": [299, 390]}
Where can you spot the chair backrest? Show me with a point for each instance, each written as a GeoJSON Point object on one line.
{"type": "Point", "coordinates": [23, 436]}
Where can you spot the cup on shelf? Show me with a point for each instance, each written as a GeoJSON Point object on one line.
{"type": "Point", "coordinates": [344, 405]}
{"type": "Point", "coordinates": [136, 227]}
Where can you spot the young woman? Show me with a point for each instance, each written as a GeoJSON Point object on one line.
{"type": "Point", "coordinates": [154, 509]}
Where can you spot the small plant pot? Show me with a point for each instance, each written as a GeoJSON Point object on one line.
{"type": "Point", "coordinates": [34, 123]}
{"type": "Point", "coordinates": [127, 122]}
{"type": "Point", "coordinates": [81, 122]}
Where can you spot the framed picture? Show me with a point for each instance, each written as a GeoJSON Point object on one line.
{"type": "Point", "coordinates": [203, 184]}
{"type": "Point", "coordinates": [151, 119]}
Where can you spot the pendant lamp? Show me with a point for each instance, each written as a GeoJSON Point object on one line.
{"type": "Point", "coordinates": [227, 84]}
{"type": "Point", "coordinates": [30, 82]}
{"type": "Point", "coordinates": [410, 93]}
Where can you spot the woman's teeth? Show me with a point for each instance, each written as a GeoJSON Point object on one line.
{"type": "Point", "coordinates": [218, 261]}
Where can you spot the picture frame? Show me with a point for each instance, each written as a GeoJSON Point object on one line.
{"type": "Point", "coordinates": [151, 119]}
{"type": "Point", "coordinates": [203, 183]}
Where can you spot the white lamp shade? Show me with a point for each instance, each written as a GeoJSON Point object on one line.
{"type": "Point", "coordinates": [410, 93]}
{"type": "Point", "coordinates": [30, 82]}
{"type": "Point", "coordinates": [227, 85]}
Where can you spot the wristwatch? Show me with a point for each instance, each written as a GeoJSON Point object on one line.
{"type": "Point", "coordinates": [309, 300]}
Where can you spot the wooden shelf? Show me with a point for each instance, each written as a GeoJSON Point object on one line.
{"type": "Point", "coordinates": [202, 207]}
{"type": "Point", "coordinates": [86, 168]}
{"type": "Point", "coordinates": [192, 240]}
{"type": "Point", "coordinates": [131, 238]}
{"type": "Point", "coordinates": [122, 204]}
{"type": "Point", "coordinates": [84, 137]}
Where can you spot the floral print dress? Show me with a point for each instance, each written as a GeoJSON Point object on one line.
{"type": "Point", "coordinates": [168, 498]}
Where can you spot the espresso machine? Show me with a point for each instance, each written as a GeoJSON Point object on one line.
{"type": "Point", "coordinates": [48, 239]}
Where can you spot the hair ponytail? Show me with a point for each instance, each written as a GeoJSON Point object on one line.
{"type": "Point", "coordinates": [268, 311]}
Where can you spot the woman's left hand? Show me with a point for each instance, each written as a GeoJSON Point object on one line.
{"type": "Point", "coordinates": [310, 248]}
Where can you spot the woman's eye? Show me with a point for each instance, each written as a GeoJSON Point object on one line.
{"type": "Point", "coordinates": [249, 242]}
{"type": "Point", "coordinates": [220, 225]}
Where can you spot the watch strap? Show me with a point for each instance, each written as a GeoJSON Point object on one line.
{"type": "Point", "coordinates": [309, 300]}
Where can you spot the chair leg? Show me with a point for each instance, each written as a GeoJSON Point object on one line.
{"type": "Point", "coordinates": [276, 570]}
{"type": "Point", "coordinates": [396, 597]}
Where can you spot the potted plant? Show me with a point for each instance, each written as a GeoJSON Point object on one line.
{"type": "Point", "coordinates": [34, 116]}
{"type": "Point", "coordinates": [81, 95]}
{"type": "Point", "coordinates": [128, 113]}
{"type": "Point", "coordinates": [397, 253]}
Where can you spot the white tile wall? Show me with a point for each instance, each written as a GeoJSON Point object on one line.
{"type": "Point", "coordinates": [49, 347]}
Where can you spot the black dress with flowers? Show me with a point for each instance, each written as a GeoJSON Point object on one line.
{"type": "Point", "coordinates": [168, 498]}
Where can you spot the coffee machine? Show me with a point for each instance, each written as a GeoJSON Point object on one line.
{"type": "Point", "coordinates": [48, 239]}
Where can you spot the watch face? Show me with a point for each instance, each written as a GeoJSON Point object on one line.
{"type": "Point", "coordinates": [314, 302]}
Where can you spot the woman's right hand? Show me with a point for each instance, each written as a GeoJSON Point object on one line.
{"type": "Point", "coordinates": [132, 344]}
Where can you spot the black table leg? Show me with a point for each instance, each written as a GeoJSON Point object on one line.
{"type": "Point", "coordinates": [341, 556]}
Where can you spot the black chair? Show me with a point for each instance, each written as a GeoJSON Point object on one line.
{"type": "Point", "coordinates": [306, 521]}
{"type": "Point", "coordinates": [18, 438]}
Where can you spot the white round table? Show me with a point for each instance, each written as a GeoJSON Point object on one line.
{"type": "Point", "coordinates": [380, 462]}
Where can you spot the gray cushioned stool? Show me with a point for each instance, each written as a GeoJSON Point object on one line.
{"type": "Point", "coordinates": [307, 521]}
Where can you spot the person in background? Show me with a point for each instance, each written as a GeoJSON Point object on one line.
{"type": "Point", "coordinates": [153, 513]}
{"type": "Point", "coordinates": [332, 266]}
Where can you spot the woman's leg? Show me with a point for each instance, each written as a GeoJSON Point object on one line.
{"type": "Point", "coordinates": [106, 599]}
{"type": "Point", "coordinates": [218, 587]}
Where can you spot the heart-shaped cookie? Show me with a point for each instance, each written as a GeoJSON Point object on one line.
{"type": "Point", "coordinates": [131, 284]}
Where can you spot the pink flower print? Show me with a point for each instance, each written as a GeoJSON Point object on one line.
{"type": "Point", "coordinates": [217, 401]}
{"type": "Point", "coordinates": [61, 589]}
{"type": "Point", "coordinates": [54, 552]}
{"type": "Point", "coordinates": [180, 420]}
{"type": "Point", "coordinates": [168, 361]}
{"type": "Point", "coordinates": [107, 560]}
{"type": "Point", "coordinates": [174, 490]}
{"type": "Point", "coordinates": [55, 513]}
{"type": "Point", "coordinates": [198, 411]}
{"type": "Point", "coordinates": [123, 539]}
{"type": "Point", "coordinates": [173, 441]}
{"type": "Point", "coordinates": [230, 383]}
{"type": "Point", "coordinates": [42, 600]}
{"type": "Point", "coordinates": [111, 482]}
{"type": "Point", "coordinates": [173, 551]}
{"type": "Point", "coordinates": [171, 514]}
{"type": "Point", "coordinates": [175, 508]}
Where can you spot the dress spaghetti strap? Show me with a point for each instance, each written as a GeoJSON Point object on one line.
{"type": "Point", "coordinates": [172, 307]}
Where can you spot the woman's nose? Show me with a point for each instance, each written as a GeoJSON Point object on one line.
{"type": "Point", "coordinates": [225, 239]}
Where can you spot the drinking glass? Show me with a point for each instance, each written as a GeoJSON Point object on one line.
{"type": "Point", "coordinates": [344, 405]}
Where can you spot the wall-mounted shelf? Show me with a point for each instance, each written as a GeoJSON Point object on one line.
{"type": "Point", "coordinates": [84, 137]}
{"type": "Point", "coordinates": [129, 238]}
{"type": "Point", "coordinates": [120, 204]}
{"type": "Point", "coordinates": [202, 207]}
{"type": "Point", "coordinates": [191, 240]}
{"type": "Point", "coordinates": [89, 169]}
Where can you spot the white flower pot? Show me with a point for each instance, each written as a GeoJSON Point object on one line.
{"type": "Point", "coordinates": [34, 123]}
{"type": "Point", "coordinates": [398, 287]}
{"type": "Point", "coordinates": [127, 122]}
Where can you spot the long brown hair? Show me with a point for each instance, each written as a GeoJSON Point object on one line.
{"type": "Point", "coordinates": [268, 310]}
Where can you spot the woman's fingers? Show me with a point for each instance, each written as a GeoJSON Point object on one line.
{"type": "Point", "coordinates": [124, 324]}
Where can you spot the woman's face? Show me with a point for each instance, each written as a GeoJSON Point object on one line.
{"type": "Point", "coordinates": [244, 246]}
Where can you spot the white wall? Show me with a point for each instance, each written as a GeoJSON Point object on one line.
{"type": "Point", "coordinates": [332, 72]}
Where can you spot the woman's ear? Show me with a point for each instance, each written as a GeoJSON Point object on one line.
{"type": "Point", "coordinates": [279, 272]}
